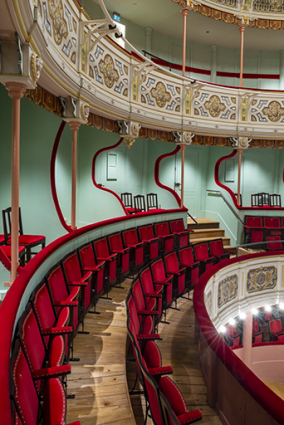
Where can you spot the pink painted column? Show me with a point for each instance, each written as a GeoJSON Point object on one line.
{"type": "Point", "coordinates": [242, 31]}
{"type": "Point", "coordinates": [16, 92]}
{"type": "Point", "coordinates": [183, 146]}
{"type": "Point", "coordinates": [184, 14]}
{"type": "Point", "coordinates": [247, 339]}
{"type": "Point", "coordinates": [74, 127]}
{"type": "Point", "coordinates": [240, 151]}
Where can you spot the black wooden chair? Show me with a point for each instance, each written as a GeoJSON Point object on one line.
{"type": "Point", "coordinates": [139, 203]}
{"type": "Point", "coordinates": [126, 198]}
{"type": "Point", "coordinates": [152, 201]}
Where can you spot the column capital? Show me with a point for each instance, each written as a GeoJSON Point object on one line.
{"type": "Point", "coordinates": [184, 12]}
{"type": "Point", "coordinates": [183, 138]}
{"type": "Point", "coordinates": [15, 90]}
{"type": "Point", "coordinates": [240, 143]}
{"type": "Point", "coordinates": [129, 130]}
{"type": "Point", "coordinates": [242, 28]}
{"type": "Point", "coordinates": [74, 125]}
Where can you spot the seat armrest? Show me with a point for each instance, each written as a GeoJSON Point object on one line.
{"type": "Point", "coordinates": [60, 330]}
{"type": "Point", "coordinates": [159, 371]}
{"type": "Point", "coordinates": [52, 372]}
{"type": "Point", "coordinates": [148, 312]}
{"type": "Point", "coordinates": [65, 303]}
{"type": "Point", "coordinates": [148, 337]}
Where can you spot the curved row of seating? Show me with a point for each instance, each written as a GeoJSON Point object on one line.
{"type": "Point", "coordinates": [44, 338]}
{"type": "Point", "coordinates": [262, 228]}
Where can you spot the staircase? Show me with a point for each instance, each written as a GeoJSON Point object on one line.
{"type": "Point", "coordinates": [206, 230]}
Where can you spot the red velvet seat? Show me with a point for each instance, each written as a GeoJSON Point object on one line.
{"type": "Point", "coordinates": [257, 332]}
{"type": "Point", "coordinates": [273, 226]}
{"type": "Point", "coordinates": [160, 278]}
{"type": "Point", "coordinates": [74, 277]}
{"type": "Point", "coordinates": [29, 241]}
{"type": "Point", "coordinates": [187, 260]}
{"type": "Point", "coordinates": [275, 244]}
{"type": "Point", "coordinates": [137, 253]}
{"type": "Point", "coordinates": [44, 362]}
{"type": "Point", "coordinates": [173, 268]}
{"type": "Point", "coordinates": [143, 307]}
{"type": "Point", "coordinates": [201, 254]}
{"type": "Point", "coordinates": [88, 263]}
{"type": "Point", "coordinates": [146, 234]}
{"type": "Point", "coordinates": [47, 317]}
{"type": "Point", "coordinates": [142, 327]}
{"type": "Point", "coordinates": [256, 235]}
{"type": "Point", "coordinates": [62, 296]}
{"type": "Point", "coordinates": [6, 249]}
{"type": "Point", "coordinates": [2, 239]}
{"type": "Point", "coordinates": [233, 335]}
{"type": "Point", "coordinates": [152, 291]}
{"type": "Point", "coordinates": [252, 222]}
{"type": "Point", "coordinates": [216, 249]}
{"type": "Point", "coordinates": [168, 239]}
{"type": "Point", "coordinates": [26, 400]}
{"type": "Point", "coordinates": [116, 247]}
{"type": "Point", "coordinates": [275, 329]}
{"type": "Point", "coordinates": [182, 234]}
{"type": "Point", "coordinates": [102, 253]}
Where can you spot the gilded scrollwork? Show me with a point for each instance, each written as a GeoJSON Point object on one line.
{"type": "Point", "coordinates": [110, 73]}
{"type": "Point", "coordinates": [56, 12]}
{"type": "Point", "coordinates": [160, 94]}
{"type": "Point", "coordinates": [261, 279]}
{"type": "Point", "coordinates": [227, 290]}
{"type": "Point", "coordinates": [36, 66]}
{"type": "Point", "coordinates": [273, 111]}
{"type": "Point", "coordinates": [214, 106]}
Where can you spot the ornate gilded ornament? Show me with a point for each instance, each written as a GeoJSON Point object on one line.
{"type": "Point", "coordinates": [85, 110]}
{"type": "Point", "coordinates": [107, 68]}
{"type": "Point", "coordinates": [36, 66]}
{"type": "Point", "coordinates": [56, 12]}
{"type": "Point", "coordinates": [135, 127]}
{"type": "Point", "coordinates": [160, 94]}
{"type": "Point", "coordinates": [240, 142]}
{"type": "Point", "coordinates": [214, 106]}
{"type": "Point", "coordinates": [261, 279]}
{"type": "Point", "coordinates": [227, 290]}
{"type": "Point", "coordinates": [273, 111]}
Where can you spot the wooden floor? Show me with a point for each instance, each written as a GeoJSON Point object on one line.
{"type": "Point", "coordinates": [99, 379]}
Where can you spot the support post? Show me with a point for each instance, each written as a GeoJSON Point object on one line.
{"type": "Point", "coordinates": [183, 146]}
{"type": "Point", "coordinates": [242, 31]}
{"type": "Point", "coordinates": [184, 14]}
{"type": "Point", "coordinates": [74, 127]}
{"type": "Point", "coordinates": [240, 151]}
{"type": "Point", "coordinates": [16, 92]}
{"type": "Point", "coordinates": [247, 338]}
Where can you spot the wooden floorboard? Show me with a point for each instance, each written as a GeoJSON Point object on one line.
{"type": "Point", "coordinates": [99, 379]}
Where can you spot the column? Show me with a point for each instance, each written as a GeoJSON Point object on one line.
{"type": "Point", "coordinates": [16, 92]}
{"type": "Point", "coordinates": [240, 151]}
{"type": "Point", "coordinates": [184, 14]}
{"type": "Point", "coordinates": [247, 338]}
{"type": "Point", "coordinates": [148, 39]}
{"type": "Point", "coordinates": [213, 64]}
{"type": "Point", "coordinates": [74, 127]}
{"type": "Point", "coordinates": [242, 31]}
{"type": "Point", "coordinates": [281, 82]}
{"type": "Point", "coordinates": [183, 146]}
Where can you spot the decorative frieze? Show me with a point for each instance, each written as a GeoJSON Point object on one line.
{"type": "Point", "coordinates": [227, 290]}
{"type": "Point", "coordinates": [261, 279]}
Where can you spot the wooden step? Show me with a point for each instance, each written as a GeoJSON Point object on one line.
{"type": "Point", "coordinates": [226, 240]}
{"type": "Point", "coordinates": [203, 223]}
{"type": "Point", "coordinates": [206, 233]}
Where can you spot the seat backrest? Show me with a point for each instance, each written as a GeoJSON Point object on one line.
{"type": "Point", "coordinates": [139, 203]}
{"type": "Point", "coordinates": [271, 222]}
{"type": "Point", "coordinates": [130, 237]}
{"type": "Point", "coordinates": [231, 331]}
{"type": "Point", "coordinates": [275, 200]}
{"type": "Point", "coordinates": [138, 294]}
{"type": "Point", "coordinates": [256, 200]}
{"type": "Point", "coordinates": [253, 221]}
{"type": "Point", "coordinates": [265, 198]}
{"type": "Point", "coordinates": [177, 225]}
{"type": "Point", "coordinates": [152, 201]}
{"type": "Point", "coordinates": [171, 262]}
{"type": "Point", "coordinates": [275, 326]}
{"type": "Point", "coordinates": [216, 247]}
{"type": "Point", "coordinates": [56, 285]}
{"type": "Point", "coordinates": [147, 281]}
{"type": "Point", "coordinates": [201, 251]}
{"type": "Point", "coordinates": [186, 256]}
{"type": "Point", "coordinates": [256, 235]}
{"type": "Point", "coordinates": [131, 307]}
{"type": "Point", "coordinates": [24, 392]}
{"type": "Point", "coordinates": [158, 270]}
{"type": "Point", "coordinates": [101, 248]}
{"type": "Point", "coordinates": [126, 198]}
{"type": "Point", "coordinates": [162, 229]}
{"type": "Point", "coordinates": [6, 216]}
{"type": "Point", "coordinates": [43, 309]}
{"type": "Point", "coordinates": [87, 257]}
{"type": "Point", "coordinates": [71, 268]}
{"type": "Point", "coordinates": [115, 242]}
{"type": "Point", "coordinates": [146, 232]}
{"type": "Point", "coordinates": [275, 245]}
{"type": "Point", "coordinates": [54, 404]}
{"type": "Point", "coordinates": [255, 326]}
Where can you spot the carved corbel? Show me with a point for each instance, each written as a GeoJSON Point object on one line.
{"type": "Point", "coordinates": [183, 137]}
{"type": "Point", "coordinates": [129, 130]}
{"type": "Point", "coordinates": [97, 28]}
{"type": "Point", "coordinates": [141, 71]}
{"type": "Point", "coordinates": [74, 109]}
{"type": "Point", "coordinates": [240, 142]}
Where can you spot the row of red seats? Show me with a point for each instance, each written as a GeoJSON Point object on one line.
{"type": "Point", "coordinates": [144, 311]}
{"type": "Point", "coordinates": [259, 228]}
{"type": "Point", "coordinates": [46, 331]}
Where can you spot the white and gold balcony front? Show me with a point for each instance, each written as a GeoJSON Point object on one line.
{"type": "Point", "coordinates": [80, 61]}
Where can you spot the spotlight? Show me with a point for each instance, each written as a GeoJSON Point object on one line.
{"type": "Point", "coordinates": [254, 311]}
{"type": "Point", "coordinates": [268, 308]}
{"type": "Point", "coordinates": [232, 322]}
{"type": "Point", "coordinates": [281, 306]}
{"type": "Point", "coordinates": [242, 316]}
{"type": "Point", "coordinates": [222, 329]}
